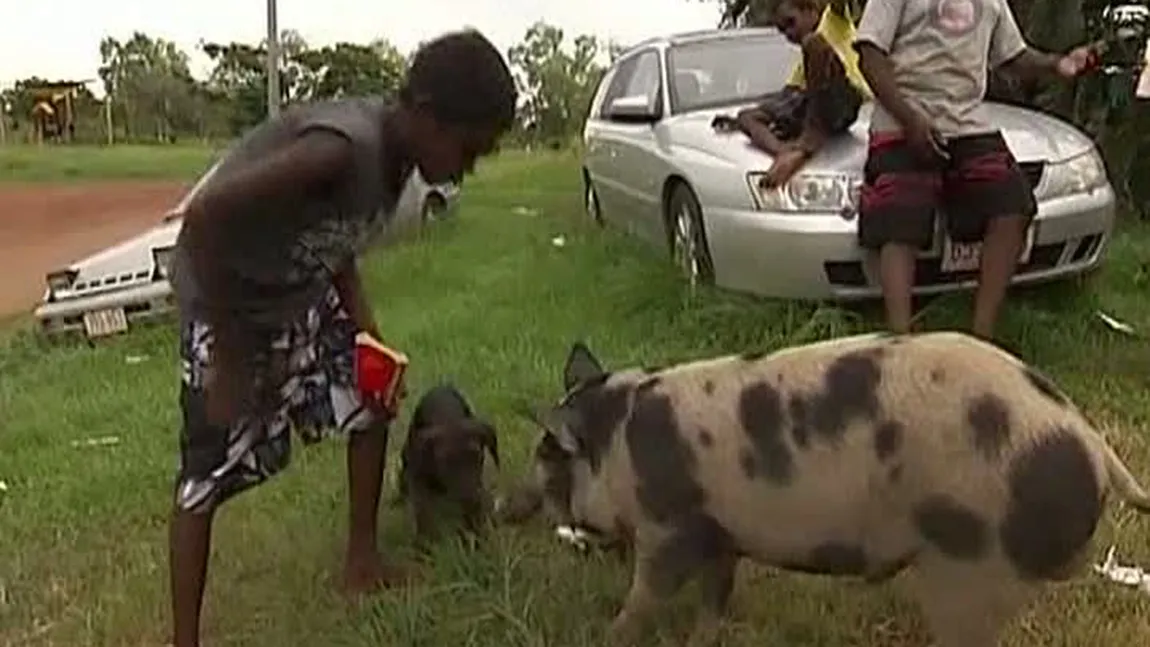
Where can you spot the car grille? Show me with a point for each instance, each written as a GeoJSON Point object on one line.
{"type": "Point", "coordinates": [928, 272]}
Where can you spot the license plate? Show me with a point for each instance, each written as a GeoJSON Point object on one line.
{"type": "Point", "coordinates": [102, 323]}
{"type": "Point", "coordinates": [966, 257]}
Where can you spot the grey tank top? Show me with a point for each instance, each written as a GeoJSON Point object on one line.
{"type": "Point", "coordinates": [281, 258]}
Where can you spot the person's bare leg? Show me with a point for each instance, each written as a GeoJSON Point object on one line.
{"type": "Point", "coordinates": [189, 543]}
{"type": "Point", "coordinates": [896, 275]}
{"type": "Point", "coordinates": [364, 568]}
{"type": "Point", "coordinates": [1001, 247]}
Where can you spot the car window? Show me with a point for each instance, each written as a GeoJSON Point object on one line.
{"type": "Point", "coordinates": [728, 71]}
{"type": "Point", "coordinates": [645, 80]}
{"type": "Point", "coordinates": [636, 75]}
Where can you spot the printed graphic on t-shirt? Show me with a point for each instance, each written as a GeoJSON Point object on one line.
{"type": "Point", "coordinates": [956, 17]}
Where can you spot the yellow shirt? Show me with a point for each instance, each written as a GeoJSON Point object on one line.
{"type": "Point", "coordinates": [839, 32]}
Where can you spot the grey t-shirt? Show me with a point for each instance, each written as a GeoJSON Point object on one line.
{"type": "Point", "coordinates": [283, 255]}
{"type": "Point", "coordinates": [940, 50]}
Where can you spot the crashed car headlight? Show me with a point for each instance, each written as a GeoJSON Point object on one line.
{"type": "Point", "coordinates": [161, 261]}
{"type": "Point", "coordinates": [1082, 173]}
{"type": "Point", "coordinates": [61, 280]}
{"type": "Point", "coordinates": [831, 193]}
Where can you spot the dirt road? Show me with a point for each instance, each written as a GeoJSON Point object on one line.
{"type": "Point", "coordinates": [45, 226]}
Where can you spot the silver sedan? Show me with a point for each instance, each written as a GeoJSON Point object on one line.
{"type": "Point", "coordinates": [654, 166]}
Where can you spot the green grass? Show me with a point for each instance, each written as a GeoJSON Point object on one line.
{"type": "Point", "coordinates": [489, 302]}
{"type": "Point", "coordinates": [49, 163]}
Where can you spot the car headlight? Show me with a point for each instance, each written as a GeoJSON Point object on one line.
{"type": "Point", "coordinates": [161, 261]}
{"type": "Point", "coordinates": [1082, 173]}
{"type": "Point", "coordinates": [832, 193]}
{"type": "Point", "coordinates": [61, 279]}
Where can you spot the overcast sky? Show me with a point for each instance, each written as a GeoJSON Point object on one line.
{"type": "Point", "coordinates": [59, 39]}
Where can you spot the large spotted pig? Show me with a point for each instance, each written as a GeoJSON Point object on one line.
{"type": "Point", "coordinates": [859, 456]}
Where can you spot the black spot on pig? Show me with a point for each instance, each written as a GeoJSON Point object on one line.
{"type": "Point", "coordinates": [706, 439]}
{"type": "Point", "coordinates": [748, 464]}
{"type": "Point", "coordinates": [596, 412]}
{"type": "Point", "coordinates": [800, 424]}
{"type": "Point", "coordinates": [709, 387]}
{"type": "Point", "coordinates": [696, 539]}
{"type": "Point", "coordinates": [895, 474]}
{"type": "Point", "coordinates": [753, 355]}
{"type": "Point", "coordinates": [951, 527]}
{"type": "Point", "coordinates": [761, 416]}
{"type": "Point", "coordinates": [663, 461]}
{"type": "Point", "coordinates": [1046, 386]}
{"type": "Point", "coordinates": [989, 420]}
{"type": "Point", "coordinates": [887, 439]}
{"type": "Point", "coordinates": [937, 376]}
{"type": "Point", "coordinates": [1054, 506]}
{"type": "Point", "coordinates": [850, 392]}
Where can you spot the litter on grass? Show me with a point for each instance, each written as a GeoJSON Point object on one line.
{"type": "Point", "coordinates": [1128, 575]}
{"type": "Point", "coordinates": [102, 441]}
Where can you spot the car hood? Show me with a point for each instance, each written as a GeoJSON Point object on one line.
{"type": "Point", "coordinates": [1031, 135]}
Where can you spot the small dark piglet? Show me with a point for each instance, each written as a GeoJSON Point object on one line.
{"type": "Point", "coordinates": [442, 460]}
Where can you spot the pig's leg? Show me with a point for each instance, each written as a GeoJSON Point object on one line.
{"type": "Point", "coordinates": [716, 582]}
{"type": "Point", "coordinates": [967, 603]}
{"type": "Point", "coordinates": [642, 599]}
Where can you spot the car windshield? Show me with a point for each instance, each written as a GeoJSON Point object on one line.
{"type": "Point", "coordinates": [728, 71]}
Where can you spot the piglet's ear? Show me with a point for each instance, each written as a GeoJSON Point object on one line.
{"type": "Point", "coordinates": [581, 367]}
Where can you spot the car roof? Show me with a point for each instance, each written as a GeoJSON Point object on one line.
{"type": "Point", "coordinates": [700, 36]}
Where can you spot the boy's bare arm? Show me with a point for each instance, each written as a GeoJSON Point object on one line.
{"type": "Point", "coordinates": [876, 68]}
{"type": "Point", "coordinates": [314, 159]}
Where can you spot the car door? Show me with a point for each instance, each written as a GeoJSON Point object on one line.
{"type": "Point", "coordinates": [601, 142]}
{"type": "Point", "coordinates": [629, 180]}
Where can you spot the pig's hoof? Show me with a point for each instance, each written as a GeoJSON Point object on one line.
{"type": "Point", "coordinates": [706, 633]}
{"type": "Point", "coordinates": [621, 633]}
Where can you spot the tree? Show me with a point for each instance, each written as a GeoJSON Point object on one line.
{"type": "Point", "coordinates": [349, 69]}
{"type": "Point", "coordinates": [557, 86]}
{"type": "Point", "coordinates": [148, 79]}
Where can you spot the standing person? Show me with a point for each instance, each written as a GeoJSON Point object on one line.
{"type": "Point", "coordinates": [931, 143]}
{"type": "Point", "coordinates": [271, 298]}
{"type": "Point", "coordinates": [823, 95]}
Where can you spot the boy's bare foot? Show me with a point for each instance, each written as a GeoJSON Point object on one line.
{"type": "Point", "coordinates": [367, 575]}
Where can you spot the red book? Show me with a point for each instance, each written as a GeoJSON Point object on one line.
{"type": "Point", "coordinates": [379, 371]}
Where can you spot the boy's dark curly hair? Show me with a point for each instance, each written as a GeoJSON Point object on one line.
{"type": "Point", "coordinates": [464, 79]}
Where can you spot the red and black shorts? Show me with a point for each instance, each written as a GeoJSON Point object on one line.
{"type": "Point", "coordinates": [901, 195]}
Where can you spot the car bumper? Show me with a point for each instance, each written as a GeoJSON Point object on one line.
{"type": "Point", "coordinates": [816, 256]}
{"type": "Point", "coordinates": [140, 303]}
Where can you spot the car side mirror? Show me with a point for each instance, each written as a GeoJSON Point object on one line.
{"type": "Point", "coordinates": [635, 109]}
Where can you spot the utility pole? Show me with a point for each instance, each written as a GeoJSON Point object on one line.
{"type": "Point", "coordinates": [273, 61]}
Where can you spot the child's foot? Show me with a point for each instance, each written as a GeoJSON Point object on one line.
{"type": "Point", "coordinates": [370, 574]}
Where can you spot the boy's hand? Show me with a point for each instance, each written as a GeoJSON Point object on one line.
{"type": "Point", "coordinates": [925, 140]}
{"type": "Point", "coordinates": [1077, 61]}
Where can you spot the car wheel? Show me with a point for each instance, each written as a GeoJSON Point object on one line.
{"type": "Point", "coordinates": [591, 202]}
{"type": "Point", "coordinates": [687, 238]}
{"type": "Point", "coordinates": [434, 207]}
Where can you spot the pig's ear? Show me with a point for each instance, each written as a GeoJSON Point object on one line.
{"type": "Point", "coordinates": [581, 367]}
{"type": "Point", "coordinates": [554, 426]}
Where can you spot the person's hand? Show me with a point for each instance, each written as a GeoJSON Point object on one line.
{"type": "Point", "coordinates": [725, 124]}
{"type": "Point", "coordinates": [786, 164]}
{"type": "Point", "coordinates": [1076, 61]}
{"type": "Point", "coordinates": [924, 140]}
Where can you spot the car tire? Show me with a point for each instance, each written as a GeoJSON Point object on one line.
{"type": "Point", "coordinates": [591, 202]}
{"type": "Point", "coordinates": [686, 237]}
{"type": "Point", "coordinates": [434, 206]}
